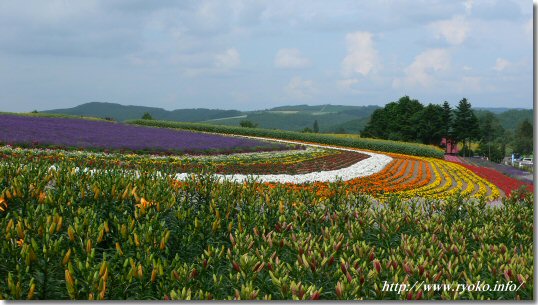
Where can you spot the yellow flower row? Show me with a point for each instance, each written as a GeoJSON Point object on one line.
{"type": "Point", "coordinates": [449, 179]}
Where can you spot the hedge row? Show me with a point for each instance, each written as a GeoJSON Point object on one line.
{"type": "Point", "coordinates": [414, 149]}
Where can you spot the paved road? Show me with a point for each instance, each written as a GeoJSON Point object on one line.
{"type": "Point", "coordinates": [508, 170]}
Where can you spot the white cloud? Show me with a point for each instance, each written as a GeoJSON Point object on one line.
{"type": "Point", "coordinates": [468, 4]}
{"type": "Point", "coordinates": [501, 64]}
{"type": "Point", "coordinates": [348, 83]}
{"type": "Point", "coordinates": [362, 57]}
{"type": "Point", "coordinates": [419, 72]}
{"type": "Point", "coordinates": [470, 83]}
{"type": "Point", "coordinates": [228, 59]}
{"type": "Point", "coordinates": [454, 30]}
{"type": "Point", "coordinates": [529, 27]}
{"type": "Point", "coordinates": [300, 89]}
{"type": "Point", "coordinates": [291, 59]}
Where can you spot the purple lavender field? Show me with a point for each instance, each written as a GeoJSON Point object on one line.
{"type": "Point", "coordinates": [102, 135]}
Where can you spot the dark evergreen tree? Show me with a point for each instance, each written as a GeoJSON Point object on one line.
{"type": "Point", "coordinates": [316, 126]}
{"type": "Point", "coordinates": [447, 123]}
{"type": "Point", "coordinates": [430, 125]}
{"type": "Point", "coordinates": [466, 127]}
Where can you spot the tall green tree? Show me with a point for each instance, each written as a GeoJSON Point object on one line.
{"type": "Point", "coordinates": [396, 121]}
{"type": "Point", "coordinates": [447, 123]}
{"type": "Point", "coordinates": [466, 127]}
{"type": "Point", "coordinates": [378, 124]}
{"type": "Point", "coordinates": [523, 139]}
{"type": "Point", "coordinates": [147, 116]}
{"type": "Point", "coordinates": [316, 126]}
{"type": "Point", "coordinates": [490, 129]}
{"type": "Point", "coordinates": [430, 125]}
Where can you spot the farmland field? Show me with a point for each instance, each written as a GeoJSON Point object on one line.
{"type": "Point", "coordinates": [276, 219]}
{"type": "Point", "coordinates": [77, 133]}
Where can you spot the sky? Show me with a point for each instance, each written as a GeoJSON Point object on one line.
{"type": "Point", "coordinates": [249, 54]}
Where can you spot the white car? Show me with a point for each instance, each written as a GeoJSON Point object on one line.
{"type": "Point", "coordinates": [527, 162]}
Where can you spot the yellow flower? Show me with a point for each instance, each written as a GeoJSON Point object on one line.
{"type": "Point", "coordinates": [144, 203]}
{"type": "Point", "coordinates": [3, 204]}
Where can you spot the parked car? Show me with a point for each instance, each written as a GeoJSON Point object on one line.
{"type": "Point", "coordinates": [526, 162]}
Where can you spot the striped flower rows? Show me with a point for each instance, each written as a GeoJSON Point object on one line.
{"type": "Point", "coordinates": [379, 175]}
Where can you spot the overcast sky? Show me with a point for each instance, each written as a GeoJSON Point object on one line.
{"type": "Point", "coordinates": [258, 54]}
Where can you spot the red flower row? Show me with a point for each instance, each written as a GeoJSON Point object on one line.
{"type": "Point", "coordinates": [505, 183]}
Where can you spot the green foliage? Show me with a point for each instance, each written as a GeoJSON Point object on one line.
{"type": "Point", "coordinates": [109, 235]}
{"type": "Point", "coordinates": [316, 126]}
{"type": "Point", "coordinates": [446, 120]}
{"type": "Point", "coordinates": [511, 119]}
{"type": "Point", "coordinates": [466, 127]}
{"type": "Point", "coordinates": [396, 121]}
{"type": "Point", "coordinates": [430, 126]}
{"type": "Point", "coordinates": [495, 151]}
{"type": "Point", "coordinates": [247, 124]}
{"type": "Point", "coordinates": [523, 139]}
{"type": "Point", "coordinates": [364, 143]}
{"type": "Point", "coordinates": [492, 140]}
{"type": "Point", "coordinates": [147, 116]}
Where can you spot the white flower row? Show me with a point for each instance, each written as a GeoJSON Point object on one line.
{"type": "Point", "coordinates": [373, 164]}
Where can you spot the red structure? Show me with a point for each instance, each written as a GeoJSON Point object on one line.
{"type": "Point", "coordinates": [450, 145]}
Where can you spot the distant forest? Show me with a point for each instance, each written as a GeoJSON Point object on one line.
{"type": "Point", "coordinates": [496, 134]}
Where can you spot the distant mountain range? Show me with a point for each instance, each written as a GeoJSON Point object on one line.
{"type": "Point", "coordinates": [330, 118]}
{"type": "Point", "coordinates": [122, 113]}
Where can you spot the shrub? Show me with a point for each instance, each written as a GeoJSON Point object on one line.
{"type": "Point", "coordinates": [247, 124]}
{"type": "Point", "coordinates": [362, 143]}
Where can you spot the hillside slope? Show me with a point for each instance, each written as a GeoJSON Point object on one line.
{"type": "Point", "coordinates": [123, 113]}
{"type": "Point", "coordinates": [331, 118]}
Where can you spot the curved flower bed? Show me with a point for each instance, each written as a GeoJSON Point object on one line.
{"type": "Point", "coordinates": [411, 177]}
{"type": "Point", "coordinates": [314, 169]}
{"type": "Point", "coordinates": [369, 166]}
{"type": "Point", "coordinates": [505, 183]}
{"type": "Point", "coordinates": [334, 161]}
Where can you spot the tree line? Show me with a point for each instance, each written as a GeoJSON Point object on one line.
{"type": "Point", "coordinates": [411, 121]}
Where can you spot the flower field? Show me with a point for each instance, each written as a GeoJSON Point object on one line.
{"type": "Point", "coordinates": [304, 221]}
{"type": "Point", "coordinates": [101, 135]}
{"type": "Point", "coordinates": [505, 183]}
{"type": "Point", "coordinates": [73, 234]}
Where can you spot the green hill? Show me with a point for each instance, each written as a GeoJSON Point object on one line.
{"type": "Point", "coordinates": [331, 118]}
{"type": "Point", "coordinates": [510, 119]}
{"type": "Point", "coordinates": [123, 113]}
